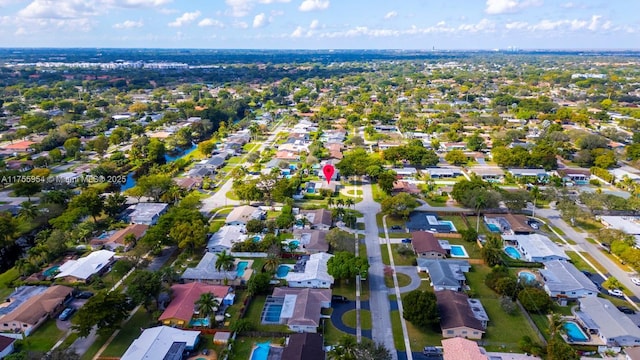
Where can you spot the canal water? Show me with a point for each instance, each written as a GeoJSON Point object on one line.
{"type": "Point", "coordinates": [131, 182]}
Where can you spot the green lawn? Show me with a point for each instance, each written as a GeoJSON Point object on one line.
{"type": "Point", "coordinates": [243, 346]}
{"type": "Point", "coordinates": [378, 194]}
{"type": "Point", "coordinates": [396, 328]}
{"type": "Point", "coordinates": [457, 221]}
{"type": "Point", "coordinates": [45, 336]}
{"type": "Point", "coordinates": [253, 314]}
{"type": "Point", "coordinates": [130, 331]}
{"type": "Point", "coordinates": [349, 319]}
{"type": "Point", "coordinates": [403, 280]}
{"type": "Point", "coordinates": [5, 279]}
{"type": "Point", "coordinates": [578, 262]}
{"type": "Point", "coordinates": [349, 290]}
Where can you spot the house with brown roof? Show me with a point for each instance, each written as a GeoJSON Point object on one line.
{"type": "Point", "coordinates": [514, 224]}
{"type": "Point", "coordinates": [301, 307]}
{"type": "Point", "coordinates": [462, 349]}
{"type": "Point", "coordinates": [121, 238]}
{"type": "Point", "coordinates": [33, 312]}
{"type": "Point", "coordinates": [318, 219]}
{"type": "Point", "coordinates": [305, 346]}
{"type": "Point", "coordinates": [312, 240]}
{"type": "Point", "coordinates": [6, 346]}
{"type": "Point", "coordinates": [183, 306]}
{"type": "Point", "coordinates": [427, 246]}
{"type": "Point", "coordinates": [405, 187]}
{"type": "Point", "coordinates": [189, 183]}
{"type": "Point", "coordinates": [460, 316]}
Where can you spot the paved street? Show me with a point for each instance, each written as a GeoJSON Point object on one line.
{"type": "Point", "coordinates": [378, 296]}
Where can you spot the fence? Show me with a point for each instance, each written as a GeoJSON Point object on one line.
{"type": "Point", "coordinates": [249, 254]}
{"type": "Point", "coordinates": [531, 323]}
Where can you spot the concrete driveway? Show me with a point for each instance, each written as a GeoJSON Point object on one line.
{"type": "Point", "coordinates": [411, 272]}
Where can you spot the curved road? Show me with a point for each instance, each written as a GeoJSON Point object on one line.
{"type": "Point", "coordinates": [378, 295]}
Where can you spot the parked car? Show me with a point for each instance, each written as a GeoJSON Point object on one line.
{"type": "Point", "coordinates": [339, 298]}
{"type": "Point", "coordinates": [66, 313]}
{"type": "Point", "coordinates": [626, 310]}
{"type": "Point", "coordinates": [84, 295]}
{"type": "Point", "coordinates": [396, 227]}
{"type": "Point", "coordinates": [615, 292]}
{"type": "Point", "coordinates": [635, 281]}
{"type": "Point", "coordinates": [406, 241]}
{"type": "Point", "coordinates": [432, 351]}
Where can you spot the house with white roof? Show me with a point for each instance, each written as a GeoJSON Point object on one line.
{"type": "Point", "coordinates": [315, 273]}
{"type": "Point", "coordinates": [301, 307]}
{"type": "Point", "coordinates": [563, 281]}
{"type": "Point", "coordinates": [627, 224]}
{"type": "Point", "coordinates": [601, 318]}
{"type": "Point", "coordinates": [146, 213]}
{"type": "Point", "coordinates": [82, 269]}
{"type": "Point", "coordinates": [242, 214]}
{"type": "Point", "coordinates": [224, 238]}
{"type": "Point", "coordinates": [536, 247]}
{"type": "Point", "coordinates": [162, 342]}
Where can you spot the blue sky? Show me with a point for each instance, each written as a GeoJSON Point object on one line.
{"type": "Point", "coordinates": [322, 24]}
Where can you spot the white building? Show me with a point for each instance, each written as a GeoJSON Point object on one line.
{"type": "Point", "coordinates": [162, 342]}
{"type": "Point", "coordinates": [600, 317]}
{"type": "Point", "coordinates": [537, 248]}
{"type": "Point", "coordinates": [562, 280]}
{"type": "Point", "coordinates": [147, 213]}
{"type": "Point", "coordinates": [315, 273]}
{"type": "Point", "coordinates": [242, 214]}
{"type": "Point", "coordinates": [226, 237]}
{"type": "Point", "coordinates": [83, 268]}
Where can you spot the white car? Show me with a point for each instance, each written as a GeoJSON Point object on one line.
{"type": "Point", "coordinates": [635, 281]}
{"type": "Point", "coordinates": [616, 292]}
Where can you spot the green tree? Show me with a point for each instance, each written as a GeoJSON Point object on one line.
{"type": "Point", "coordinates": [340, 240]}
{"type": "Point", "coordinates": [492, 251]}
{"type": "Point", "coordinates": [259, 283]}
{"type": "Point", "coordinates": [25, 188]}
{"type": "Point", "coordinates": [156, 151]}
{"type": "Point", "coordinates": [100, 144]}
{"type": "Point", "coordinates": [114, 204]}
{"type": "Point", "coordinates": [144, 288]}
{"type": "Point", "coordinates": [106, 311]}
{"type": "Point", "coordinates": [535, 300]}
{"type": "Point", "coordinates": [400, 205]}
{"type": "Point", "coordinates": [475, 142]}
{"type": "Point", "coordinates": [225, 261]}
{"type": "Point", "coordinates": [91, 201]}
{"type": "Point", "coordinates": [207, 304]}
{"type": "Point", "coordinates": [255, 226]}
{"type": "Point", "coordinates": [456, 157]}
{"type": "Point", "coordinates": [8, 227]}
{"type": "Point", "coordinates": [345, 265]}
{"type": "Point", "coordinates": [420, 308]}
{"type": "Point", "coordinates": [155, 185]}
{"type": "Point", "coordinates": [386, 180]}
{"type": "Point", "coordinates": [468, 235]}
{"type": "Point", "coordinates": [28, 210]}
{"type": "Point", "coordinates": [72, 146]}
{"type": "Point", "coordinates": [189, 235]}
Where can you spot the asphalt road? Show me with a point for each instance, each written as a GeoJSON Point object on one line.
{"type": "Point", "coordinates": [378, 295]}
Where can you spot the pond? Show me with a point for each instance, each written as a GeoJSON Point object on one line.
{"type": "Point", "coordinates": [131, 181]}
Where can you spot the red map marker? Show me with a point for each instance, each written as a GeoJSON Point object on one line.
{"type": "Point", "coordinates": [328, 171]}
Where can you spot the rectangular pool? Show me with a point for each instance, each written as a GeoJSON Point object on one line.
{"type": "Point", "coordinates": [199, 322]}
{"type": "Point", "coordinates": [574, 332]}
{"type": "Point", "coordinates": [459, 251]}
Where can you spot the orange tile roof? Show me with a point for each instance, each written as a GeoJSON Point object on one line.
{"type": "Point", "coordinates": [461, 349]}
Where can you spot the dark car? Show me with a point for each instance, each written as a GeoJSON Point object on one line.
{"type": "Point", "coordinates": [406, 241]}
{"type": "Point", "coordinates": [339, 298]}
{"type": "Point", "coordinates": [396, 227]}
{"type": "Point", "coordinates": [84, 295]}
{"type": "Point", "coordinates": [626, 310]}
{"type": "Point", "coordinates": [66, 313]}
{"type": "Point", "coordinates": [432, 351]}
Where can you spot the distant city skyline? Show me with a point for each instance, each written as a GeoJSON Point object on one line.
{"type": "Point", "coordinates": [321, 24]}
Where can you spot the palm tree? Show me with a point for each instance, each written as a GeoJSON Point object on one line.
{"type": "Point", "coordinates": [271, 263]}
{"type": "Point", "coordinates": [349, 202]}
{"type": "Point", "coordinates": [535, 193]}
{"type": "Point", "coordinates": [556, 325]}
{"type": "Point", "coordinates": [207, 304]}
{"type": "Point", "coordinates": [340, 202]}
{"type": "Point", "coordinates": [225, 261]}
{"type": "Point", "coordinates": [345, 350]}
{"type": "Point", "coordinates": [330, 202]}
{"type": "Point", "coordinates": [481, 202]}
{"type": "Point", "coordinates": [28, 210]}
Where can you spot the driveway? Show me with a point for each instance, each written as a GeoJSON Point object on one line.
{"type": "Point", "coordinates": [339, 309]}
{"type": "Point", "coordinates": [411, 272]}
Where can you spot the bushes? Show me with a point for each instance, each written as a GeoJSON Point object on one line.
{"type": "Point", "coordinates": [535, 300]}
{"type": "Point", "coordinates": [602, 174]}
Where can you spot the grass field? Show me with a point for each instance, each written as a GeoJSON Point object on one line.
{"type": "Point", "coordinates": [130, 331]}
{"type": "Point", "coordinates": [5, 279]}
{"type": "Point", "coordinates": [44, 337]}
{"type": "Point", "coordinates": [403, 280]}
{"type": "Point", "coordinates": [349, 319]}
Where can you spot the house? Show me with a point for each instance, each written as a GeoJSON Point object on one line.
{"type": "Point", "coordinates": [318, 219]}
{"type": "Point", "coordinates": [312, 240]}
{"type": "Point", "coordinates": [632, 353]}
{"type": "Point", "coordinates": [307, 346]}
{"type": "Point", "coordinates": [458, 348]}
{"type": "Point", "coordinates": [508, 224]}
{"type": "Point", "coordinates": [213, 163]}
{"type": "Point", "coordinates": [206, 272]}
{"type": "Point", "coordinates": [405, 187]}
{"type": "Point", "coordinates": [301, 307]}
{"type": "Point", "coordinates": [427, 246]}
{"type": "Point", "coordinates": [20, 146]}
{"type": "Point", "coordinates": [287, 155]}
{"type": "Point", "coordinates": [601, 318]}
{"type": "Point", "coordinates": [120, 237]}
{"type": "Point", "coordinates": [224, 238]}
{"type": "Point", "coordinates": [461, 316]}
{"type": "Point", "coordinates": [33, 312]}
{"type": "Point", "coordinates": [622, 175]}
{"type": "Point", "coordinates": [407, 172]}
{"type": "Point", "coordinates": [189, 183]}
{"type": "Point", "coordinates": [574, 176]}
{"type": "Point", "coordinates": [539, 175]}
{"type": "Point", "coordinates": [6, 346]}
{"type": "Point", "coordinates": [562, 281]}
{"type": "Point", "coordinates": [182, 308]}
{"type": "Point", "coordinates": [445, 274]}
{"type": "Point", "coordinates": [82, 269]}
{"type": "Point", "coordinates": [162, 342]}
{"type": "Point", "coordinates": [147, 213]}
{"type": "Point", "coordinates": [488, 173]}
{"type": "Point", "coordinates": [315, 273]}
{"type": "Point", "coordinates": [448, 146]}
{"type": "Point", "coordinates": [537, 247]}
{"type": "Point", "coordinates": [242, 214]}
{"type": "Point", "coordinates": [627, 224]}
{"type": "Point", "coordinates": [19, 296]}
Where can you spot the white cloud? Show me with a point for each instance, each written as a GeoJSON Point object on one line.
{"type": "Point", "coordinates": [516, 25]}
{"type": "Point", "coordinates": [168, 11]}
{"type": "Point", "coordinates": [495, 7]}
{"type": "Point", "coordinates": [239, 8]}
{"type": "Point", "coordinates": [391, 14]}
{"type": "Point", "coordinates": [206, 22]}
{"type": "Point", "coordinates": [314, 24]}
{"type": "Point", "coordinates": [313, 5]}
{"type": "Point", "coordinates": [297, 33]}
{"type": "Point", "coordinates": [595, 23]}
{"type": "Point", "coordinates": [54, 9]}
{"type": "Point", "coordinates": [128, 24]}
{"type": "Point", "coordinates": [240, 25]}
{"type": "Point", "coordinates": [185, 19]}
{"type": "Point", "coordinates": [273, 1]}
{"type": "Point", "coordinates": [260, 20]}
{"type": "Point", "coordinates": [136, 3]}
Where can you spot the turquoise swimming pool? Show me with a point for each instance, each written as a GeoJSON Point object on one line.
{"type": "Point", "coordinates": [255, 238]}
{"type": "Point", "coordinates": [493, 228]}
{"type": "Point", "coordinates": [513, 252]}
{"type": "Point", "coordinates": [199, 322]}
{"type": "Point", "coordinates": [282, 271]}
{"type": "Point", "coordinates": [459, 251]}
{"type": "Point", "coordinates": [241, 267]}
{"type": "Point", "coordinates": [574, 332]}
{"type": "Point", "coordinates": [261, 351]}
{"type": "Point", "coordinates": [51, 271]}
{"type": "Point", "coordinates": [527, 276]}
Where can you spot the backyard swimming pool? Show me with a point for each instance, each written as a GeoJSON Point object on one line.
{"type": "Point", "coordinates": [261, 351]}
{"type": "Point", "coordinates": [527, 276]}
{"type": "Point", "coordinates": [513, 252]}
{"type": "Point", "coordinates": [255, 238]}
{"type": "Point", "coordinates": [51, 271]}
{"type": "Point", "coordinates": [574, 332]}
{"type": "Point", "coordinates": [271, 313]}
{"type": "Point", "coordinates": [459, 251]}
{"type": "Point", "coordinates": [282, 271]}
{"type": "Point", "coordinates": [199, 322]}
{"type": "Point", "coordinates": [450, 223]}
{"type": "Point", "coordinates": [493, 228]}
{"type": "Point", "coordinates": [242, 265]}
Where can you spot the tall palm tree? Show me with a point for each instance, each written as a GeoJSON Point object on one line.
{"type": "Point", "coordinates": [349, 202]}
{"type": "Point", "coordinates": [340, 202]}
{"type": "Point", "coordinates": [271, 263]}
{"type": "Point", "coordinates": [556, 325]}
{"type": "Point", "coordinates": [330, 202]}
{"type": "Point", "coordinates": [28, 210]}
{"type": "Point", "coordinates": [345, 350]}
{"type": "Point", "coordinates": [481, 202]}
{"type": "Point", "coordinates": [225, 261]}
{"type": "Point", "coordinates": [535, 193]}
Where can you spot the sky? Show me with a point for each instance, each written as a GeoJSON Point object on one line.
{"type": "Point", "coordinates": [322, 24]}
